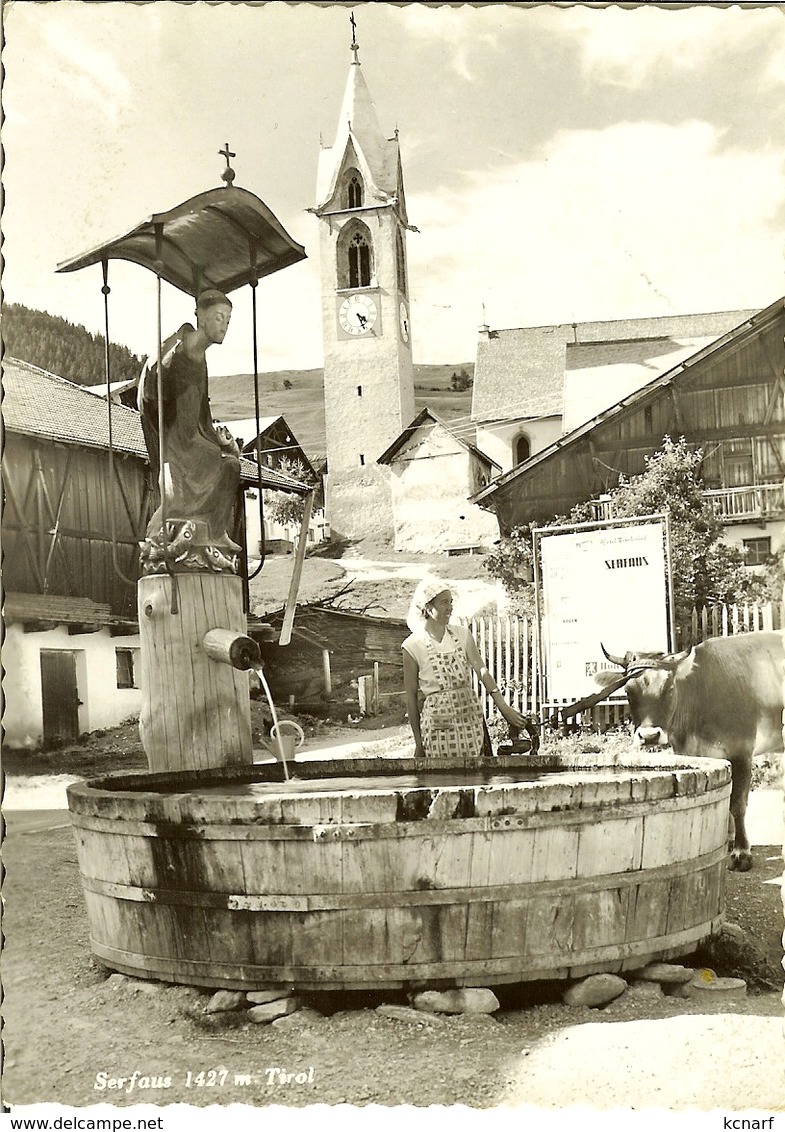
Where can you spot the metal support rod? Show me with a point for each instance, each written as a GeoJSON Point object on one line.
{"type": "Point", "coordinates": [105, 290]}
{"type": "Point", "coordinates": [160, 389]}
{"type": "Point", "coordinates": [262, 550]}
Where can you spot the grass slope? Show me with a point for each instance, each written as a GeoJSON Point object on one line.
{"type": "Point", "coordinates": [299, 396]}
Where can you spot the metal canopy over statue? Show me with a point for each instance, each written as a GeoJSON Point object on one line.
{"type": "Point", "coordinates": [196, 712]}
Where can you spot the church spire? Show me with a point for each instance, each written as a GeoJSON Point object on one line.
{"type": "Point", "coordinates": [359, 131]}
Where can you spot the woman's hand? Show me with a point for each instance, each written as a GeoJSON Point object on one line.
{"type": "Point", "coordinates": [513, 717]}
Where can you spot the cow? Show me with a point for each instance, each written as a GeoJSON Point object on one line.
{"type": "Point", "coordinates": [720, 699]}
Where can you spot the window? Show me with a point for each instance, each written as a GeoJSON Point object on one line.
{"type": "Point", "coordinates": [126, 667]}
{"type": "Point", "coordinates": [362, 460]}
{"type": "Point", "coordinates": [522, 448]}
{"type": "Point", "coordinates": [758, 551]}
{"type": "Point", "coordinates": [354, 190]}
{"type": "Point", "coordinates": [400, 262]}
{"type": "Point", "coordinates": [359, 262]}
{"type": "Point", "coordinates": [354, 256]}
{"type": "Point", "coordinates": [648, 418]}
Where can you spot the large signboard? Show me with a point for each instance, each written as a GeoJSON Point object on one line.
{"type": "Point", "coordinates": [601, 586]}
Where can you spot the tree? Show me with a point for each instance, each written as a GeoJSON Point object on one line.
{"type": "Point", "coordinates": [282, 506]}
{"type": "Point", "coordinates": [705, 569]}
{"type": "Point", "coordinates": [461, 381]}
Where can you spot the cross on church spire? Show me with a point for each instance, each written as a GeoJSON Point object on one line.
{"type": "Point", "coordinates": [228, 173]}
{"type": "Point", "coordinates": [355, 45]}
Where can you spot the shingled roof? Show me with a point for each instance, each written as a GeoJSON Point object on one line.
{"type": "Point", "coordinates": [520, 373]}
{"type": "Point", "coordinates": [37, 403]}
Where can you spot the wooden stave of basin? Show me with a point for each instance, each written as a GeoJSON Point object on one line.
{"type": "Point", "coordinates": [452, 886]}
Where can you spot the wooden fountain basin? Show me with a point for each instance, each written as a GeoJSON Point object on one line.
{"type": "Point", "coordinates": [387, 873]}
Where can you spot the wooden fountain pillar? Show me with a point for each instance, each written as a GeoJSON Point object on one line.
{"type": "Point", "coordinates": [196, 711]}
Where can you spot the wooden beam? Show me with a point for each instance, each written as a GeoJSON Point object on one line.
{"type": "Point", "coordinates": [294, 584]}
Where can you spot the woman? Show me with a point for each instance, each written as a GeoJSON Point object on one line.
{"type": "Point", "coordinates": [444, 713]}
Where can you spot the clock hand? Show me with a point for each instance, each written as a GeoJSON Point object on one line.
{"type": "Point", "coordinates": [362, 319]}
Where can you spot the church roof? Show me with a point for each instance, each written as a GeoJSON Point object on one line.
{"type": "Point", "coordinates": [577, 369]}
{"type": "Point", "coordinates": [377, 156]}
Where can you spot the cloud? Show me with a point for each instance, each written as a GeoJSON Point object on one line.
{"type": "Point", "coordinates": [86, 70]}
{"type": "Point", "coordinates": [467, 34]}
{"type": "Point", "coordinates": [624, 48]}
{"type": "Point", "coordinates": [631, 220]}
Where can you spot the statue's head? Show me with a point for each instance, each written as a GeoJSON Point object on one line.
{"type": "Point", "coordinates": [213, 312]}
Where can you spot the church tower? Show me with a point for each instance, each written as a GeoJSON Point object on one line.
{"type": "Point", "coordinates": [368, 373]}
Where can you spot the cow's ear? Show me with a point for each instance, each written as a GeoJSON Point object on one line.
{"type": "Point", "coordinates": [605, 679]}
{"type": "Point", "coordinates": [674, 659]}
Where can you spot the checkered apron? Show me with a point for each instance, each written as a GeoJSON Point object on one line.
{"type": "Point", "coordinates": [451, 720]}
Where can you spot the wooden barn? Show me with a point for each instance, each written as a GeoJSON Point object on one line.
{"type": "Point", "coordinates": [280, 450]}
{"type": "Point", "coordinates": [71, 527]}
{"type": "Point", "coordinates": [727, 399]}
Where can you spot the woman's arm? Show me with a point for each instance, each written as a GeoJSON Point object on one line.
{"type": "Point", "coordinates": [411, 686]}
{"type": "Point", "coordinates": [511, 714]}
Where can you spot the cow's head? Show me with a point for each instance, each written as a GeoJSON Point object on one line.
{"type": "Point", "coordinates": [648, 679]}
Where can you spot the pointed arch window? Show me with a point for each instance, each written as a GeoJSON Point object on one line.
{"type": "Point", "coordinates": [355, 257]}
{"type": "Point", "coordinates": [353, 188]}
{"type": "Point", "coordinates": [355, 191]}
{"type": "Point", "coordinates": [359, 261]}
{"type": "Point", "coordinates": [400, 262]}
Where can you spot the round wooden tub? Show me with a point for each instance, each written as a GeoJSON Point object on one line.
{"type": "Point", "coordinates": [395, 875]}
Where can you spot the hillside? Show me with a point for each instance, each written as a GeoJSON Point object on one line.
{"type": "Point", "coordinates": [62, 348]}
{"type": "Point", "coordinates": [299, 396]}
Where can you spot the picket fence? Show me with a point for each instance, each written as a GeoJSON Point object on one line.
{"type": "Point", "coordinates": [506, 644]}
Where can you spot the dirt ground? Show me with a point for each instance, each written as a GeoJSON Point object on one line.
{"type": "Point", "coordinates": [69, 1026]}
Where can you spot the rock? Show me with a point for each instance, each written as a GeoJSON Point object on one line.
{"type": "Point", "coordinates": [408, 1014]}
{"type": "Point", "coordinates": [145, 987]}
{"type": "Point", "coordinates": [596, 990]}
{"type": "Point", "coordinates": [117, 980]}
{"type": "Point", "coordinates": [465, 1000]}
{"type": "Point", "coordinates": [643, 989]}
{"type": "Point", "coordinates": [225, 1000]}
{"type": "Point", "coordinates": [258, 997]}
{"type": "Point", "coordinates": [267, 1011]}
{"type": "Point", "coordinates": [733, 932]}
{"type": "Point", "coordinates": [666, 973]}
{"type": "Point", "coordinates": [717, 988]}
{"type": "Point", "coordinates": [305, 1015]}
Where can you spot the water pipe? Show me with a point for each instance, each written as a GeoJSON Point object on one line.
{"type": "Point", "coordinates": [242, 652]}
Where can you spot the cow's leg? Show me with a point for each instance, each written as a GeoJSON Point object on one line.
{"type": "Point", "coordinates": [741, 857]}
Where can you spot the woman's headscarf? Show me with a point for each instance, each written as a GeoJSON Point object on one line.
{"type": "Point", "coordinates": [427, 589]}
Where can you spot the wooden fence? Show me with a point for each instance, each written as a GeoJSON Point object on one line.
{"type": "Point", "coordinates": [506, 643]}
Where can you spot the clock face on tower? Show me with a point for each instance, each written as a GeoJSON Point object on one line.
{"type": "Point", "coordinates": [357, 315]}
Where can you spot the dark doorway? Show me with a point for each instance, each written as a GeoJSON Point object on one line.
{"type": "Point", "coordinates": [60, 696]}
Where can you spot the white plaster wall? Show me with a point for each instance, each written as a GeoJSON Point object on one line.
{"type": "Point", "coordinates": [431, 483]}
{"type": "Point", "coordinates": [736, 534]}
{"type": "Point", "coordinates": [103, 703]}
{"type": "Point", "coordinates": [496, 440]}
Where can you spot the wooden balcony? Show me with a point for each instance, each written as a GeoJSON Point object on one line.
{"type": "Point", "coordinates": [755, 503]}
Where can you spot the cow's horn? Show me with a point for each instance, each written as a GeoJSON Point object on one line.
{"type": "Point", "coordinates": [620, 660]}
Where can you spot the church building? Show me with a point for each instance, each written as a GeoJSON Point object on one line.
{"type": "Point", "coordinates": [368, 372]}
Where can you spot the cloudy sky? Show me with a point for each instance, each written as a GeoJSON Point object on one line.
{"type": "Point", "coordinates": [562, 163]}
